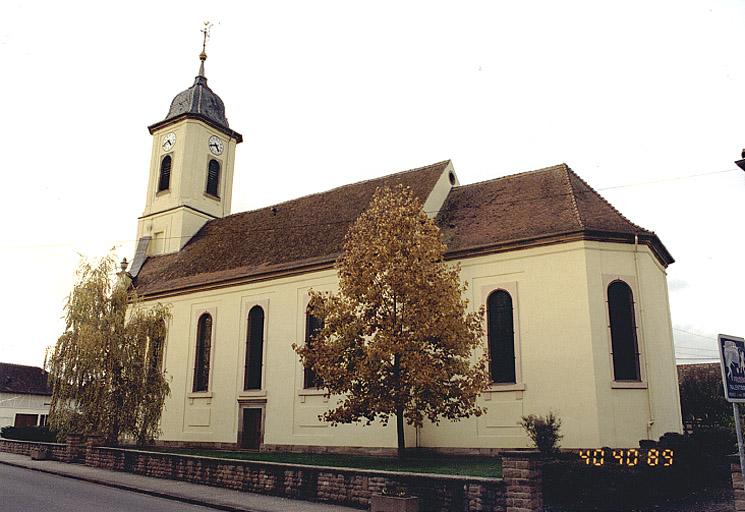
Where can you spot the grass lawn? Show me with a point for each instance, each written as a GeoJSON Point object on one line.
{"type": "Point", "coordinates": [447, 465]}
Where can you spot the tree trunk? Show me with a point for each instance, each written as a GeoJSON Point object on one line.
{"type": "Point", "coordinates": [400, 432]}
{"type": "Point", "coordinates": [399, 408]}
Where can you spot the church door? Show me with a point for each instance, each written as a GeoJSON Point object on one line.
{"type": "Point", "coordinates": [251, 435]}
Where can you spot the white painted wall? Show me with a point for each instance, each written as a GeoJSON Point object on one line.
{"type": "Point", "coordinates": [563, 344]}
{"type": "Point", "coordinates": [12, 404]}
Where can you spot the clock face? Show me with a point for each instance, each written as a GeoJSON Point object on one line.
{"type": "Point", "coordinates": [168, 141]}
{"type": "Point", "coordinates": [216, 145]}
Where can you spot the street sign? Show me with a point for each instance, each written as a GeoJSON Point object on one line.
{"type": "Point", "coordinates": [732, 357]}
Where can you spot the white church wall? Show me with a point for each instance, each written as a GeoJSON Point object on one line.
{"type": "Point", "coordinates": [561, 332]}
{"type": "Point", "coordinates": [549, 294]}
{"type": "Point", "coordinates": [626, 409]}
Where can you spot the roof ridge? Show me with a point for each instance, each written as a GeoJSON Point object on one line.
{"type": "Point", "coordinates": [444, 162]}
{"type": "Point", "coordinates": [581, 223]}
{"type": "Point", "coordinates": [607, 203]}
{"type": "Point", "coordinates": [534, 171]}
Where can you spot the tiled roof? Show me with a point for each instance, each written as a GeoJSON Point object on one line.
{"type": "Point", "coordinates": [535, 207]}
{"type": "Point", "coordinates": [545, 206]}
{"type": "Point", "coordinates": [297, 234]}
{"type": "Point", "coordinates": [23, 380]}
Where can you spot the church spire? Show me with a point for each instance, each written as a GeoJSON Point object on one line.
{"type": "Point", "coordinates": [203, 56]}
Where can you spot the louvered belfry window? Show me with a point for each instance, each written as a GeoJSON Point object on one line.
{"type": "Point", "coordinates": [204, 347]}
{"type": "Point", "coordinates": [313, 324]}
{"type": "Point", "coordinates": [213, 178]}
{"type": "Point", "coordinates": [254, 349]}
{"type": "Point", "coordinates": [501, 337]}
{"type": "Point", "coordinates": [623, 332]}
{"type": "Point", "coordinates": [164, 180]}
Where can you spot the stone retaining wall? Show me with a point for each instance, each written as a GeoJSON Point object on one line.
{"type": "Point", "coordinates": [57, 451]}
{"type": "Point", "coordinates": [737, 484]}
{"type": "Point", "coordinates": [344, 486]}
{"type": "Point", "coordinates": [518, 491]}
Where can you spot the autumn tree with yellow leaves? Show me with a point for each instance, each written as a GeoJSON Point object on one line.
{"type": "Point", "coordinates": [105, 370]}
{"type": "Point", "coordinates": [397, 339]}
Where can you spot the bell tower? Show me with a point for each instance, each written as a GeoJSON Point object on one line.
{"type": "Point", "coordinates": [191, 169]}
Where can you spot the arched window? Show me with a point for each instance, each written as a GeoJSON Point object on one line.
{"type": "Point", "coordinates": [204, 347]}
{"type": "Point", "coordinates": [623, 332]}
{"type": "Point", "coordinates": [155, 348]}
{"type": "Point", "coordinates": [213, 177]}
{"type": "Point", "coordinates": [164, 181]}
{"type": "Point", "coordinates": [313, 324]}
{"type": "Point", "coordinates": [501, 337]}
{"type": "Point", "coordinates": [254, 349]}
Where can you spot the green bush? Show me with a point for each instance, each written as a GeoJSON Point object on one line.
{"type": "Point", "coordinates": [543, 431]}
{"type": "Point", "coordinates": [40, 434]}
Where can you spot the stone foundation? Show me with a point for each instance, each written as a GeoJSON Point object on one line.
{"type": "Point", "coordinates": [342, 450]}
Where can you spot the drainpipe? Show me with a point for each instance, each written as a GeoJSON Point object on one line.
{"type": "Point", "coordinates": [650, 409]}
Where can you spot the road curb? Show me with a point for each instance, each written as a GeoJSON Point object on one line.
{"type": "Point", "coordinates": [125, 487]}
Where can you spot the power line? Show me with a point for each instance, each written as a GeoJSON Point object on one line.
{"type": "Point", "coordinates": [706, 349]}
{"type": "Point", "coordinates": [441, 210]}
{"type": "Point", "coordinates": [674, 178]}
{"type": "Point", "coordinates": [710, 338]}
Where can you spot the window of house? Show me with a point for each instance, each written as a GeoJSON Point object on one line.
{"type": "Point", "coordinates": [501, 337]}
{"type": "Point", "coordinates": [43, 418]}
{"type": "Point", "coordinates": [254, 349]}
{"type": "Point", "coordinates": [164, 180]}
{"type": "Point", "coordinates": [213, 177]}
{"type": "Point", "coordinates": [313, 324]}
{"type": "Point", "coordinates": [204, 346]}
{"type": "Point", "coordinates": [623, 332]}
{"type": "Point", "coordinates": [25, 420]}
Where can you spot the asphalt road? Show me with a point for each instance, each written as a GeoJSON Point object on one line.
{"type": "Point", "coordinates": [23, 490]}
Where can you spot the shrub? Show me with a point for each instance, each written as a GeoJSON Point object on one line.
{"type": "Point", "coordinates": [543, 431]}
{"type": "Point", "coordinates": [40, 434]}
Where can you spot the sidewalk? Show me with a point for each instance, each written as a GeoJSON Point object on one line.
{"type": "Point", "coordinates": [223, 499]}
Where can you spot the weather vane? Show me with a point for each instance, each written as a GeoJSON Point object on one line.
{"type": "Point", "coordinates": [203, 56]}
{"type": "Point", "coordinates": [205, 35]}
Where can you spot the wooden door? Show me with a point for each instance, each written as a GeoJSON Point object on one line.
{"type": "Point", "coordinates": [251, 435]}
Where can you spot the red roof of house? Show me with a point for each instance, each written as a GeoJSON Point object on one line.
{"type": "Point", "coordinates": [23, 380]}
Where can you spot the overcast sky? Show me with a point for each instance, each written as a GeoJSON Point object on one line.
{"type": "Point", "coordinates": [636, 96]}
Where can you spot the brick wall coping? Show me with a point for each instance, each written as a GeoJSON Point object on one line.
{"type": "Point", "coordinates": [30, 442]}
{"type": "Point", "coordinates": [357, 471]}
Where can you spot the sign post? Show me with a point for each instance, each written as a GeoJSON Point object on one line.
{"type": "Point", "coordinates": [732, 359]}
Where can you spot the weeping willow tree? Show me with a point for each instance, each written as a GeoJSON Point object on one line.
{"type": "Point", "coordinates": [105, 370]}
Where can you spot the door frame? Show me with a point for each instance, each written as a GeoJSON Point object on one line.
{"type": "Point", "coordinates": [251, 404]}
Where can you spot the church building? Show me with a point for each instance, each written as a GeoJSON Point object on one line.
{"type": "Point", "coordinates": [577, 310]}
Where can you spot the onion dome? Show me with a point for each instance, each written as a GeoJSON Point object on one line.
{"type": "Point", "coordinates": [199, 101]}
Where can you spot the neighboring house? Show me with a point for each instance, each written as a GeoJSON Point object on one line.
{"type": "Point", "coordinates": [24, 395]}
{"type": "Point", "coordinates": [578, 317]}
